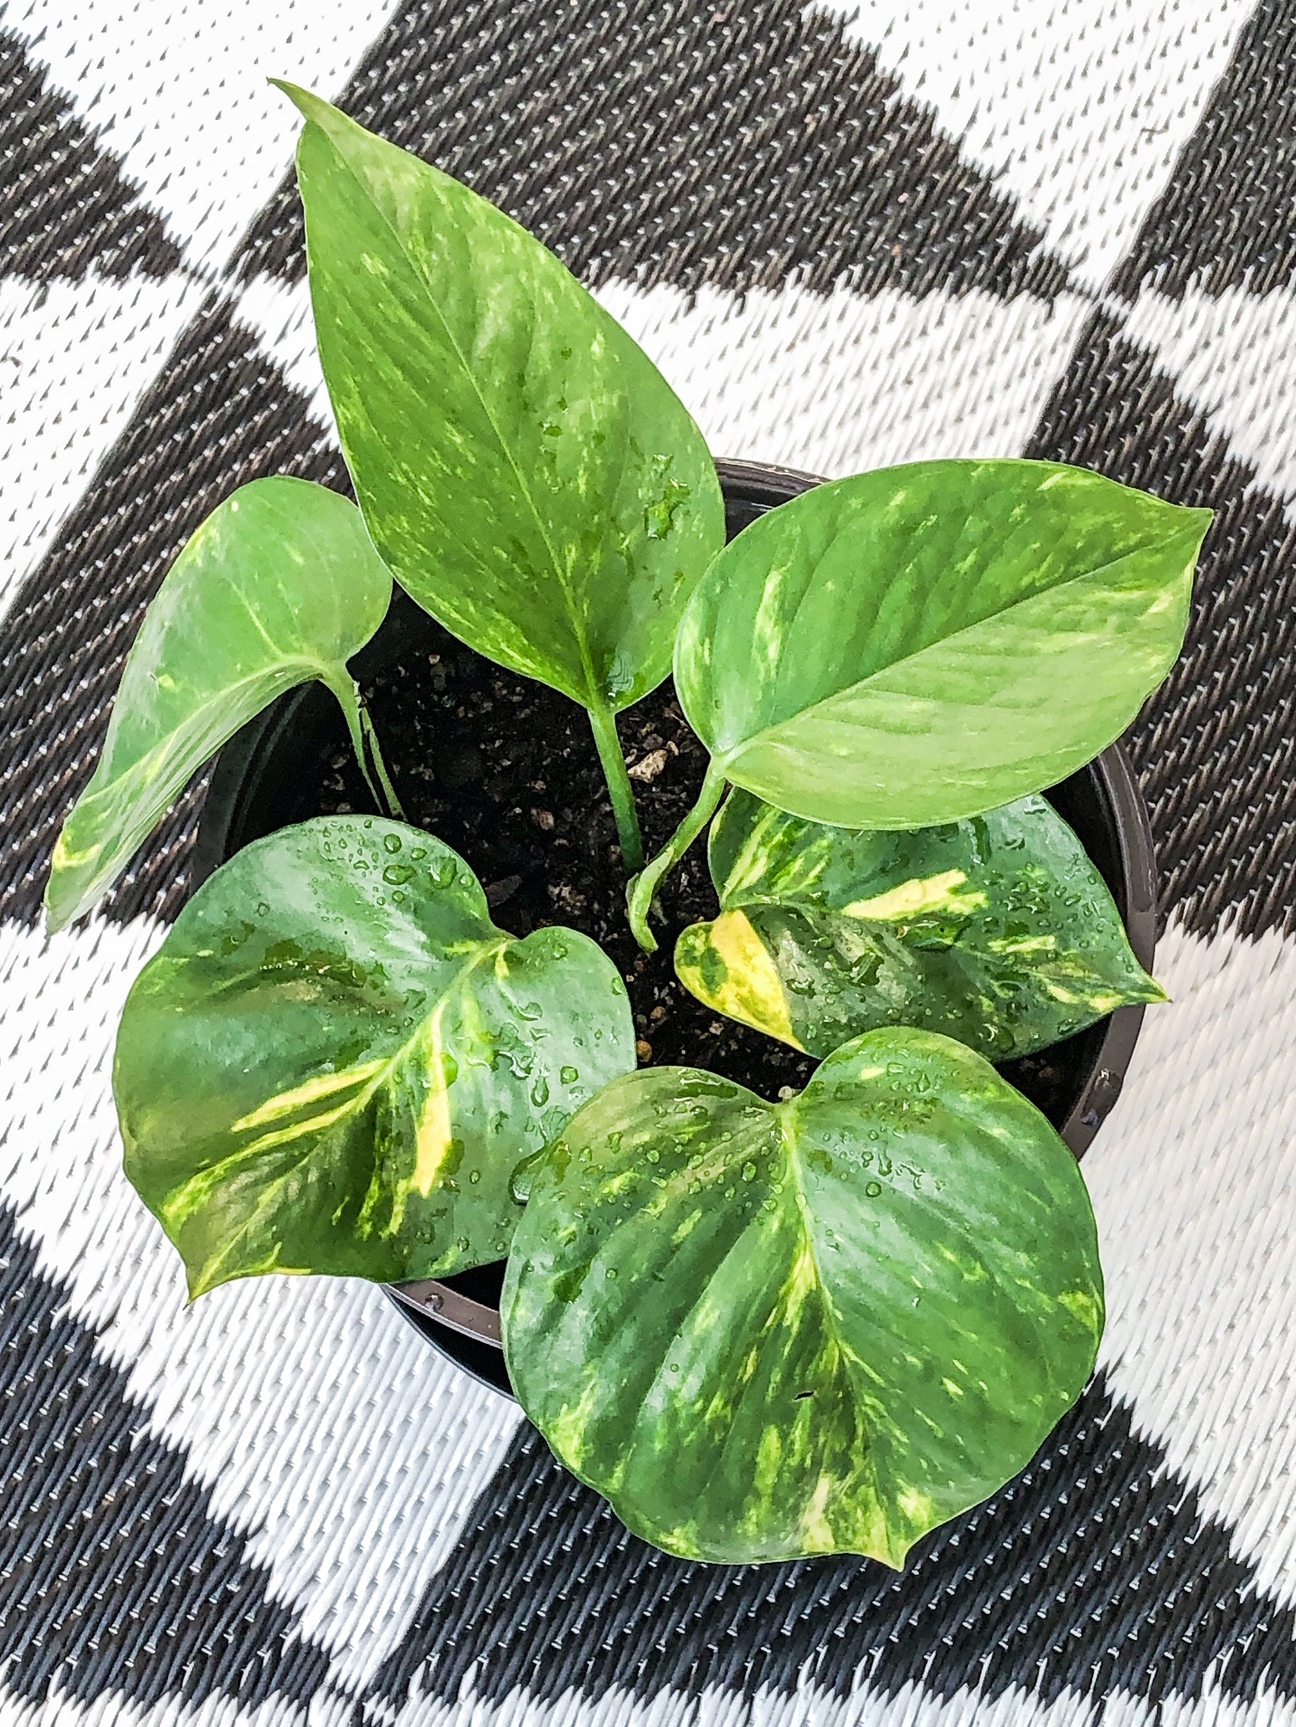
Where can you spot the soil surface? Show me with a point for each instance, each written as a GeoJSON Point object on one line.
{"type": "Point", "coordinates": [504, 770]}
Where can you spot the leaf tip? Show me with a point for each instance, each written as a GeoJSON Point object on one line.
{"type": "Point", "coordinates": [1192, 522]}
{"type": "Point", "coordinates": [61, 907]}
{"type": "Point", "coordinates": [197, 1283]}
{"type": "Point", "coordinates": [637, 913]}
{"type": "Point", "coordinates": [310, 106]}
{"type": "Point", "coordinates": [294, 92]}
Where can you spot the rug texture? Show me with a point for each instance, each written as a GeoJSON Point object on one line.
{"type": "Point", "coordinates": [850, 237]}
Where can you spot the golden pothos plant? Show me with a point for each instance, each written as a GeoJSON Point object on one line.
{"type": "Point", "coordinates": [762, 1330]}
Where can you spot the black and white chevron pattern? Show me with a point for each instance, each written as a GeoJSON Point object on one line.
{"type": "Point", "coordinates": [850, 235]}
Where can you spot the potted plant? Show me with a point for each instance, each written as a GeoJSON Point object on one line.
{"type": "Point", "coordinates": [763, 1327]}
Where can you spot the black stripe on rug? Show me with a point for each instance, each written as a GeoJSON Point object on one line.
{"type": "Point", "coordinates": [1226, 218]}
{"type": "Point", "coordinates": [66, 204]}
{"type": "Point", "coordinates": [115, 1574]}
{"type": "Point", "coordinates": [1095, 1571]}
{"type": "Point", "coordinates": [737, 145]}
{"type": "Point", "coordinates": [218, 413]}
{"type": "Point", "coordinates": [1216, 746]}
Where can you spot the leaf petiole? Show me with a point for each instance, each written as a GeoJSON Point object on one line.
{"type": "Point", "coordinates": [606, 741]}
{"type": "Point", "coordinates": [639, 894]}
{"type": "Point", "coordinates": [364, 740]}
{"type": "Point", "coordinates": [389, 796]}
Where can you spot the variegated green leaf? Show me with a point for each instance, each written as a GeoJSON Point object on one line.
{"type": "Point", "coordinates": [524, 468]}
{"type": "Point", "coordinates": [335, 1060]}
{"type": "Point", "coordinates": [923, 643]}
{"type": "Point", "coordinates": [997, 930]}
{"type": "Point", "coordinates": [280, 584]}
{"type": "Point", "coordinates": [822, 1326]}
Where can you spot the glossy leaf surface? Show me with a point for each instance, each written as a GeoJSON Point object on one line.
{"type": "Point", "coordinates": [335, 1060]}
{"type": "Point", "coordinates": [523, 467]}
{"type": "Point", "coordinates": [924, 643]}
{"type": "Point", "coordinates": [997, 931]}
{"type": "Point", "coordinates": [770, 1330]}
{"type": "Point", "coordinates": [279, 585]}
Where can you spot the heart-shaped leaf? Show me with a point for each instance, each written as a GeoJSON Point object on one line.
{"type": "Point", "coordinates": [924, 643]}
{"type": "Point", "coordinates": [279, 585]}
{"type": "Point", "coordinates": [335, 1060]}
{"type": "Point", "coordinates": [997, 930]}
{"type": "Point", "coordinates": [769, 1330]}
{"type": "Point", "coordinates": [523, 467]}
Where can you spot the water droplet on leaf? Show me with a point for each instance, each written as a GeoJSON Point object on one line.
{"type": "Point", "coordinates": [520, 1180]}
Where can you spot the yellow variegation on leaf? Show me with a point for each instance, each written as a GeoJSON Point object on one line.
{"type": "Point", "coordinates": [997, 930]}
{"type": "Point", "coordinates": [336, 1060]}
{"type": "Point", "coordinates": [765, 1331]}
{"type": "Point", "coordinates": [280, 584]}
{"type": "Point", "coordinates": [523, 467]}
{"type": "Point", "coordinates": [925, 643]}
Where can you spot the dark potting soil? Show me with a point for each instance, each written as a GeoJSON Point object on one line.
{"type": "Point", "coordinates": [504, 770]}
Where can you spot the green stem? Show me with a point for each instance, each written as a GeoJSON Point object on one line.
{"type": "Point", "coordinates": [639, 896]}
{"type": "Point", "coordinates": [603, 720]}
{"type": "Point", "coordinates": [380, 766]}
{"type": "Point", "coordinates": [347, 691]}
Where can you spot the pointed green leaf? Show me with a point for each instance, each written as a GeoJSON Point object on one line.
{"type": "Point", "coordinates": [997, 930]}
{"type": "Point", "coordinates": [523, 467]}
{"type": "Point", "coordinates": [920, 644]}
{"type": "Point", "coordinates": [335, 1060]}
{"type": "Point", "coordinates": [279, 585]}
{"type": "Point", "coordinates": [824, 1326]}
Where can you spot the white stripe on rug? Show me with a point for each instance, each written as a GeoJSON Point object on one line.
{"type": "Point", "coordinates": [1078, 109]}
{"type": "Point", "coordinates": [75, 359]}
{"type": "Point", "coordinates": [348, 1449]}
{"type": "Point", "coordinates": [1233, 355]}
{"type": "Point", "coordinates": [831, 383]}
{"type": "Point", "coordinates": [1192, 1182]}
{"type": "Point", "coordinates": [112, 1709]}
{"type": "Point", "coordinates": [184, 101]}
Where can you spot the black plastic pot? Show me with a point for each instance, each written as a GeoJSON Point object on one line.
{"type": "Point", "coordinates": [256, 789]}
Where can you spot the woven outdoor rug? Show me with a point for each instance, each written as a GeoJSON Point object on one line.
{"type": "Point", "coordinates": [1065, 228]}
